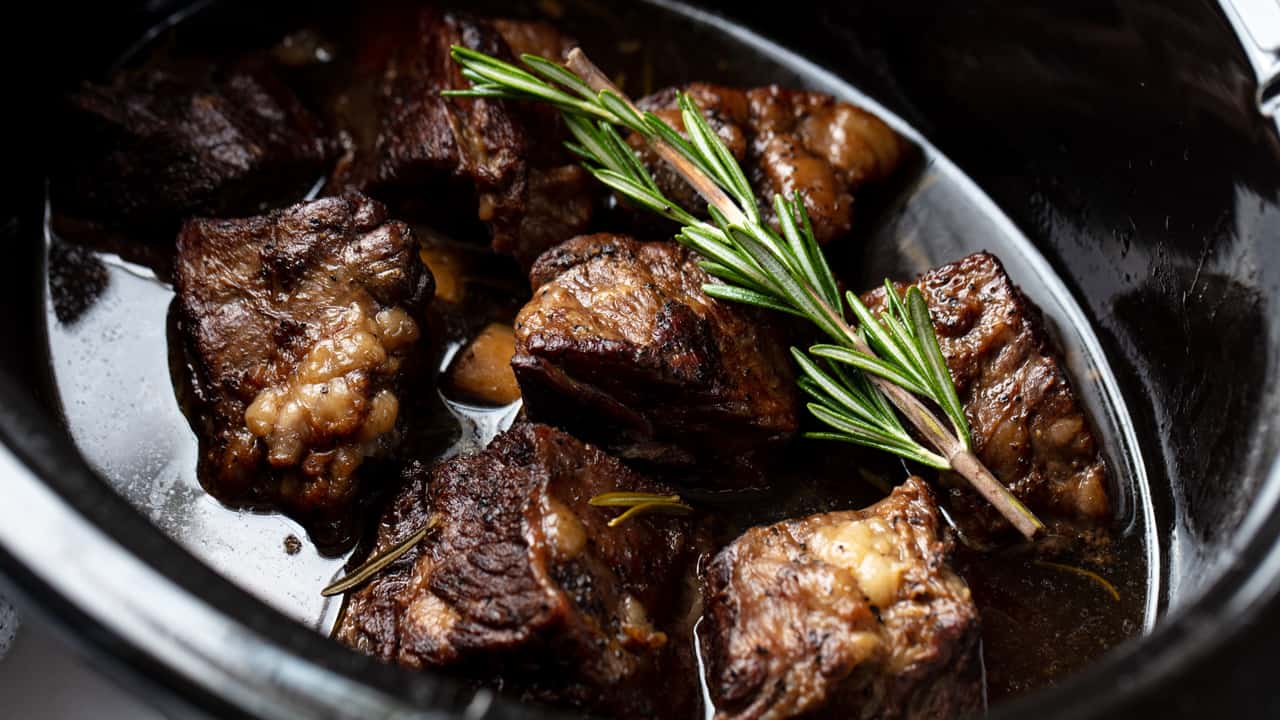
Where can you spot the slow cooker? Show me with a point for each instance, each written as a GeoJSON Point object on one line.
{"type": "Point", "coordinates": [1132, 143]}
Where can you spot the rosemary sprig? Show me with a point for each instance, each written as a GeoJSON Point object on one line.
{"type": "Point", "coordinates": [638, 503]}
{"type": "Point", "coordinates": [375, 564]}
{"type": "Point", "coordinates": [869, 370]}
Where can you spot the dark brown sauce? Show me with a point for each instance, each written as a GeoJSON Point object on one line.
{"type": "Point", "coordinates": [1040, 622]}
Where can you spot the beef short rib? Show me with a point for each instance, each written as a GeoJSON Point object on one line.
{"type": "Point", "coordinates": [524, 586]}
{"type": "Point", "coordinates": [156, 147]}
{"type": "Point", "coordinates": [1027, 426]}
{"type": "Point", "coordinates": [620, 345]}
{"type": "Point", "coordinates": [456, 162]}
{"type": "Point", "coordinates": [299, 327]}
{"type": "Point", "coordinates": [787, 141]}
{"type": "Point", "coordinates": [843, 614]}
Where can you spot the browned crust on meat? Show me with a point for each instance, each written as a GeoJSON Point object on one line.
{"type": "Point", "coordinates": [311, 290]}
{"type": "Point", "coordinates": [461, 161]}
{"type": "Point", "coordinates": [497, 599]}
{"type": "Point", "coordinates": [156, 147]}
{"type": "Point", "coordinates": [620, 344]}
{"type": "Point", "coordinates": [791, 632]}
{"type": "Point", "coordinates": [787, 141]}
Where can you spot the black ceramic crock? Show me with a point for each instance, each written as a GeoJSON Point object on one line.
{"type": "Point", "coordinates": [1127, 139]}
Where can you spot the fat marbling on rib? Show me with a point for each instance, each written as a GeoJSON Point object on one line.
{"type": "Point", "coordinates": [300, 327]}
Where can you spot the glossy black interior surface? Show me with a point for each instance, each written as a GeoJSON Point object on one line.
{"type": "Point", "coordinates": [1122, 138]}
{"type": "Point", "coordinates": [1125, 139]}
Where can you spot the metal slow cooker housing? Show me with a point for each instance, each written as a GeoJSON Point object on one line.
{"type": "Point", "coordinates": [1130, 140]}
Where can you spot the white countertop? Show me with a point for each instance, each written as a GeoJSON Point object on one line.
{"type": "Point", "coordinates": [42, 677]}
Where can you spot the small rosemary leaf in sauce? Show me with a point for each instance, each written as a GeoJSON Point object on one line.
{"type": "Point", "coordinates": [640, 504]}
{"type": "Point", "coordinates": [1084, 573]}
{"type": "Point", "coordinates": [375, 564]}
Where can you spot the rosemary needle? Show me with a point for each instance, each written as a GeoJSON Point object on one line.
{"type": "Point", "coordinates": [375, 564]}
{"type": "Point", "coordinates": [638, 503]}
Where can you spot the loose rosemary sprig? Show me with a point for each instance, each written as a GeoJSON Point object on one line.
{"type": "Point", "coordinates": [638, 503]}
{"type": "Point", "coordinates": [855, 382]}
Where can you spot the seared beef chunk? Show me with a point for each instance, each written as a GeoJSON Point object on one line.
{"type": "Point", "coordinates": [843, 614]}
{"type": "Point", "coordinates": [620, 345]}
{"type": "Point", "coordinates": [435, 155]}
{"type": "Point", "coordinates": [298, 326]}
{"type": "Point", "coordinates": [156, 147]}
{"type": "Point", "coordinates": [481, 372]}
{"type": "Point", "coordinates": [1027, 426]}
{"type": "Point", "coordinates": [786, 141]}
{"type": "Point", "coordinates": [524, 587]}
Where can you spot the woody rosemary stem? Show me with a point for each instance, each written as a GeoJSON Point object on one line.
{"type": "Point", "coordinates": [934, 431]}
